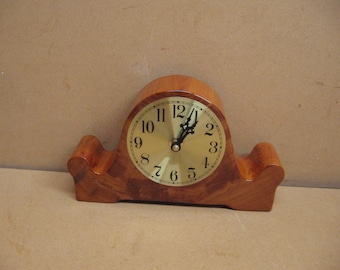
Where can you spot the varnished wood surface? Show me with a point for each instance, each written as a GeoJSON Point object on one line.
{"type": "Point", "coordinates": [243, 183]}
{"type": "Point", "coordinates": [179, 82]}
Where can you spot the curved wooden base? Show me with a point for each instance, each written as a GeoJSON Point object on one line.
{"type": "Point", "coordinates": [102, 176]}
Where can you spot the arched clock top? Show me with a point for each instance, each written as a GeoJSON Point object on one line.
{"type": "Point", "coordinates": [179, 84]}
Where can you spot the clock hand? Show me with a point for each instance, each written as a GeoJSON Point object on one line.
{"type": "Point", "coordinates": [186, 130]}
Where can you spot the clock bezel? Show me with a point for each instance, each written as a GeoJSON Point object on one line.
{"type": "Point", "coordinates": [182, 96]}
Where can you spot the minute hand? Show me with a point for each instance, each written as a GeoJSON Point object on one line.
{"type": "Point", "coordinates": [186, 128]}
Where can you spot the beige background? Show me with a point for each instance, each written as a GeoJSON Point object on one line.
{"type": "Point", "coordinates": [70, 68]}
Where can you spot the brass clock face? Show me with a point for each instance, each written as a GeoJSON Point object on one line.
{"type": "Point", "coordinates": [176, 141]}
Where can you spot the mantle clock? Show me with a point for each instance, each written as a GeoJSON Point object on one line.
{"type": "Point", "coordinates": [175, 147]}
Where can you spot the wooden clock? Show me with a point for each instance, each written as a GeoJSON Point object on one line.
{"type": "Point", "coordinates": [175, 147]}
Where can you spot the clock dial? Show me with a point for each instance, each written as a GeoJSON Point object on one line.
{"type": "Point", "coordinates": [176, 141]}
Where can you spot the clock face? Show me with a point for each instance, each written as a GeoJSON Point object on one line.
{"type": "Point", "coordinates": [176, 141]}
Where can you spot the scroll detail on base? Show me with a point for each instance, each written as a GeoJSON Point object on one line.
{"type": "Point", "coordinates": [259, 174]}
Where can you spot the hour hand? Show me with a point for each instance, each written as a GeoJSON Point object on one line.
{"type": "Point", "coordinates": [186, 130]}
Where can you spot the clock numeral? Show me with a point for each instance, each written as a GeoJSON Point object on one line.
{"type": "Point", "coordinates": [213, 148]}
{"type": "Point", "coordinates": [148, 126]}
{"type": "Point", "coordinates": [191, 173]}
{"type": "Point", "coordinates": [205, 162]}
{"type": "Point", "coordinates": [158, 169]}
{"type": "Point", "coordinates": [210, 127]}
{"type": "Point", "coordinates": [144, 159]}
{"type": "Point", "coordinates": [173, 175]}
{"type": "Point", "coordinates": [178, 111]}
{"type": "Point", "coordinates": [160, 115]}
{"type": "Point", "coordinates": [138, 142]}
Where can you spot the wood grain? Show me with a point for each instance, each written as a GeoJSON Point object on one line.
{"type": "Point", "coordinates": [242, 183]}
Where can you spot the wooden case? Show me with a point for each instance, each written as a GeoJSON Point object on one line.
{"type": "Point", "coordinates": [242, 183]}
